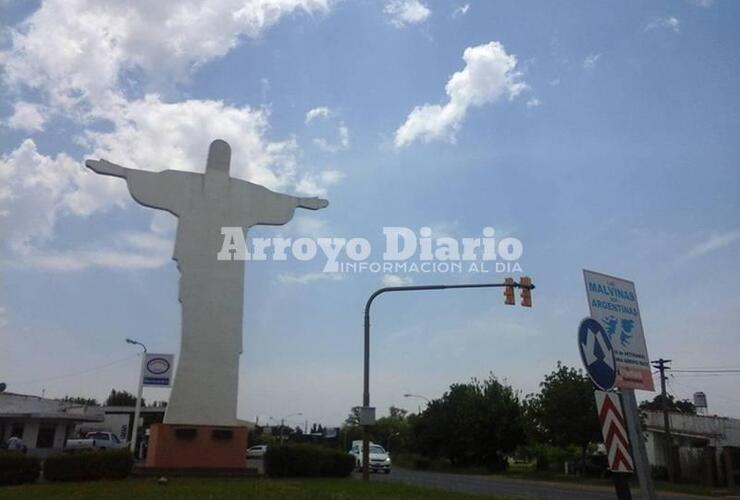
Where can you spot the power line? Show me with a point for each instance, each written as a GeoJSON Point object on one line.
{"type": "Point", "coordinates": [73, 374]}
{"type": "Point", "coordinates": [707, 371]}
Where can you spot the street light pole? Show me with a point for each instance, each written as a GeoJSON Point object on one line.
{"type": "Point", "coordinates": [419, 396]}
{"type": "Point", "coordinates": [366, 371]}
{"type": "Point", "coordinates": [137, 411]}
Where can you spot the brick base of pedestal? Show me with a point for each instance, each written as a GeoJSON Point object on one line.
{"type": "Point", "coordinates": [177, 446]}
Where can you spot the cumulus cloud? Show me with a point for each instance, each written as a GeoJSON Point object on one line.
{"type": "Point", "coordinates": [405, 12]}
{"type": "Point", "coordinates": [316, 184]}
{"type": "Point", "coordinates": [533, 103]}
{"type": "Point", "coordinates": [154, 135]}
{"type": "Point", "coordinates": [396, 280]}
{"type": "Point", "coordinates": [77, 57]}
{"type": "Point", "coordinates": [36, 189]}
{"type": "Point", "coordinates": [670, 23]}
{"type": "Point", "coordinates": [489, 75]}
{"type": "Point", "coordinates": [460, 11]}
{"type": "Point", "coordinates": [26, 116]}
{"type": "Point", "coordinates": [320, 112]}
{"type": "Point", "coordinates": [77, 51]}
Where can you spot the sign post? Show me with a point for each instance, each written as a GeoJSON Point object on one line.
{"type": "Point", "coordinates": [613, 303]}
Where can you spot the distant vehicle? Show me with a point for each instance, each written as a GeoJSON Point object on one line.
{"type": "Point", "coordinates": [97, 440]}
{"type": "Point", "coordinates": [380, 460]}
{"type": "Point", "coordinates": [257, 451]}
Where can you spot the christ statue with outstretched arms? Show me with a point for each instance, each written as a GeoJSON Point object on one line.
{"type": "Point", "coordinates": [205, 389]}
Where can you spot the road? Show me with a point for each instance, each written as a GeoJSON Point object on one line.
{"type": "Point", "coordinates": [487, 485]}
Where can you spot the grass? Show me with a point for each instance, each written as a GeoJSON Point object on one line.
{"type": "Point", "coordinates": [218, 489]}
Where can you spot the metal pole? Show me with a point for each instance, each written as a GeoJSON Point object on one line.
{"type": "Point", "coordinates": [639, 454]}
{"type": "Point", "coordinates": [137, 411]}
{"type": "Point", "coordinates": [366, 367]}
{"type": "Point", "coordinates": [661, 365]}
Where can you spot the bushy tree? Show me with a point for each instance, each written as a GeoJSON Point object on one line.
{"type": "Point", "coordinates": [563, 413]}
{"type": "Point", "coordinates": [475, 423]}
{"type": "Point", "coordinates": [674, 405]}
{"type": "Point", "coordinates": [121, 398]}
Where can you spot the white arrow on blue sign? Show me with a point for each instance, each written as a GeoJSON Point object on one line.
{"type": "Point", "coordinates": [597, 354]}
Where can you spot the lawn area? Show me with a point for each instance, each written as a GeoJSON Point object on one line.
{"type": "Point", "coordinates": [218, 489]}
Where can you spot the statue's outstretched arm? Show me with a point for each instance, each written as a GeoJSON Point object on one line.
{"type": "Point", "coordinates": [105, 167]}
{"type": "Point", "coordinates": [314, 203]}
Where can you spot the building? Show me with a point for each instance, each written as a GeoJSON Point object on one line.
{"type": "Point", "coordinates": [43, 424]}
{"type": "Point", "coordinates": [705, 448]}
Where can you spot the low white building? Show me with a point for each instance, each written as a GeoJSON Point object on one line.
{"type": "Point", "coordinates": [705, 448]}
{"type": "Point", "coordinates": [42, 424]}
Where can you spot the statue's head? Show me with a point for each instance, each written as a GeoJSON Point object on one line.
{"type": "Point", "coordinates": [219, 157]}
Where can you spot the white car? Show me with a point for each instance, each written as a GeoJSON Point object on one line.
{"type": "Point", "coordinates": [97, 440]}
{"type": "Point", "coordinates": [257, 451]}
{"type": "Point", "coordinates": [380, 460]}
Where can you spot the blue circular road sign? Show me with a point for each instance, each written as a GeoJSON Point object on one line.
{"type": "Point", "coordinates": [597, 354]}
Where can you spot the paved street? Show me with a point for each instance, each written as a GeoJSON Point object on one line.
{"type": "Point", "coordinates": [498, 486]}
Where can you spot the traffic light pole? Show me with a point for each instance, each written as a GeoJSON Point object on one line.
{"type": "Point", "coordinates": [510, 284]}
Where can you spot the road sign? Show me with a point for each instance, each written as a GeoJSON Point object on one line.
{"type": "Point", "coordinates": [597, 354]}
{"type": "Point", "coordinates": [158, 369]}
{"type": "Point", "coordinates": [614, 431]}
{"type": "Point", "coordinates": [613, 303]}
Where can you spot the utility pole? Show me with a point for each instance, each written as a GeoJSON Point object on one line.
{"type": "Point", "coordinates": [662, 365]}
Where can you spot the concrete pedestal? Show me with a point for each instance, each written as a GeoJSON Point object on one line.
{"type": "Point", "coordinates": [183, 447]}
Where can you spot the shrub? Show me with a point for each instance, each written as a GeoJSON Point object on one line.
{"type": "Point", "coordinates": [89, 466]}
{"type": "Point", "coordinates": [16, 468]}
{"type": "Point", "coordinates": [307, 460]}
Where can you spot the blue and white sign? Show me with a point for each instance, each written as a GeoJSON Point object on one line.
{"type": "Point", "coordinates": [597, 354]}
{"type": "Point", "coordinates": [158, 370]}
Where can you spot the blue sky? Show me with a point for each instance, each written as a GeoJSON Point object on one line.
{"type": "Point", "coordinates": [602, 138]}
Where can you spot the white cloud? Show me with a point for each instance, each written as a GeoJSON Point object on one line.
{"type": "Point", "coordinates": [489, 75]}
{"type": "Point", "coordinates": [77, 51]}
{"type": "Point", "coordinates": [312, 184]}
{"type": "Point", "coordinates": [460, 11]}
{"type": "Point", "coordinates": [26, 116]}
{"type": "Point", "coordinates": [343, 132]}
{"type": "Point", "coordinates": [405, 12]}
{"type": "Point", "coordinates": [714, 242]}
{"type": "Point", "coordinates": [127, 250]}
{"type": "Point", "coordinates": [35, 190]}
{"type": "Point", "coordinates": [533, 102]}
{"type": "Point", "coordinates": [703, 3]}
{"type": "Point", "coordinates": [154, 135]}
{"type": "Point", "coordinates": [590, 61]}
{"type": "Point", "coordinates": [396, 280]}
{"type": "Point", "coordinates": [306, 278]}
{"type": "Point", "coordinates": [320, 112]}
{"type": "Point", "coordinates": [670, 23]}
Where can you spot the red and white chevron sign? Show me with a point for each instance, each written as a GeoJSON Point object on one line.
{"type": "Point", "coordinates": [614, 431]}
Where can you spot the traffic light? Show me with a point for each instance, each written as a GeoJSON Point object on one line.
{"type": "Point", "coordinates": [525, 284]}
{"type": "Point", "coordinates": [509, 292]}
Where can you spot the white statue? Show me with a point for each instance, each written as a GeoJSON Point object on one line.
{"type": "Point", "coordinates": [205, 389]}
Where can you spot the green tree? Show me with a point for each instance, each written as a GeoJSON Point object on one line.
{"type": "Point", "coordinates": [475, 423]}
{"type": "Point", "coordinates": [674, 405]}
{"type": "Point", "coordinates": [77, 400]}
{"type": "Point", "coordinates": [121, 398]}
{"type": "Point", "coordinates": [564, 411]}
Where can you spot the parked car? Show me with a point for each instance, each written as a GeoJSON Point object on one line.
{"type": "Point", "coordinates": [380, 460]}
{"type": "Point", "coordinates": [257, 451]}
{"type": "Point", "coordinates": [97, 440]}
